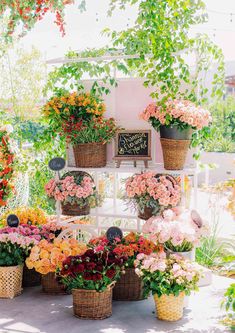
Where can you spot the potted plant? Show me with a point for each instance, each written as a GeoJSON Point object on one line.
{"type": "Point", "coordinates": [30, 277]}
{"type": "Point", "coordinates": [14, 248]}
{"type": "Point", "coordinates": [169, 279]}
{"type": "Point", "coordinates": [130, 286]}
{"type": "Point", "coordinates": [176, 231]}
{"type": "Point", "coordinates": [176, 121]}
{"type": "Point", "coordinates": [150, 193]}
{"type": "Point", "coordinates": [47, 256]}
{"type": "Point", "coordinates": [75, 190]}
{"type": "Point", "coordinates": [79, 118]}
{"type": "Point", "coordinates": [91, 278]}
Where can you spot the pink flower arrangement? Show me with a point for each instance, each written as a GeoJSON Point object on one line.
{"type": "Point", "coordinates": [153, 190]}
{"type": "Point", "coordinates": [25, 230]}
{"type": "Point", "coordinates": [181, 111]}
{"type": "Point", "coordinates": [175, 229]}
{"type": "Point", "coordinates": [71, 189]}
{"type": "Point", "coordinates": [24, 242]}
{"type": "Point", "coordinates": [166, 275]}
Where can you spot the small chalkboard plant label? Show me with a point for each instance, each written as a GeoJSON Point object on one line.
{"type": "Point", "coordinates": [57, 163]}
{"type": "Point", "coordinates": [13, 221]}
{"type": "Point", "coordinates": [133, 145]}
{"type": "Point", "coordinates": [113, 234]}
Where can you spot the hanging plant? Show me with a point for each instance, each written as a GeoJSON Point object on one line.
{"type": "Point", "coordinates": [24, 14]}
{"type": "Point", "coordinates": [6, 167]}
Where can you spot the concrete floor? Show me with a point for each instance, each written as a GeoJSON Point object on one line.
{"type": "Point", "coordinates": [34, 312]}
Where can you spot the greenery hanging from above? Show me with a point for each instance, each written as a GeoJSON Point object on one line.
{"type": "Point", "coordinates": [24, 14]}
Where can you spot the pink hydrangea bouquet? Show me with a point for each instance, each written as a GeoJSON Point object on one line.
{"type": "Point", "coordinates": [152, 191]}
{"type": "Point", "coordinates": [164, 275]}
{"type": "Point", "coordinates": [14, 248]}
{"type": "Point", "coordinates": [179, 113]}
{"type": "Point", "coordinates": [176, 229]}
{"type": "Point", "coordinates": [73, 189]}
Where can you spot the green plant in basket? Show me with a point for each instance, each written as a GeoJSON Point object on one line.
{"type": "Point", "coordinates": [14, 248]}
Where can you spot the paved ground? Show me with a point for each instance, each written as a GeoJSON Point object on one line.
{"type": "Point", "coordinates": [34, 312]}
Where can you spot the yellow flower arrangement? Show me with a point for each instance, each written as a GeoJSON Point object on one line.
{"type": "Point", "coordinates": [46, 257]}
{"type": "Point", "coordinates": [26, 215]}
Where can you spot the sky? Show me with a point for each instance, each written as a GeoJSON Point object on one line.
{"type": "Point", "coordinates": [83, 29]}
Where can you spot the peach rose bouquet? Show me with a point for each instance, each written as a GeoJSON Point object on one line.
{"type": "Point", "coordinates": [46, 257]}
{"type": "Point", "coordinates": [179, 113]}
{"type": "Point", "coordinates": [151, 193]}
{"type": "Point", "coordinates": [73, 189]}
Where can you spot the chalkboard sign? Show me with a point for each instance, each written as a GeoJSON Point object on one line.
{"type": "Point", "coordinates": [13, 221]}
{"type": "Point", "coordinates": [133, 145]}
{"type": "Point", "coordinates": [57, 164]}
{"type": "Point", "coordinates": [113, 233]}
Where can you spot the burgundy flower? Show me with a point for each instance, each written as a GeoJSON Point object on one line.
{"type": "Point", "coordinates": [99, 268]}
{"type": "Point", "coordinates": [90, 266]}
{"type": "Point", "coordinates": [87, 276]}
{"type": "Point", "coordinates": [111, 273]}
{"type": "Point", "coordinates": [78, 268]}
{"type": "Point", "coordinates": [97, 277]}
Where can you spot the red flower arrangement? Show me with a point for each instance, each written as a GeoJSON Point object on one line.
{"type": "Point", "coordinates": [6, 167]}
{"type": "Point", "coordinates": [25, 14]}
{"type": "Point", "coordinates": [92, 270]}
{"type": "Point", "coordinates": [129, 247]}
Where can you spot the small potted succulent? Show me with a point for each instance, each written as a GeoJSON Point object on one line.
{"type": "Point", "coordinates": [47, 256]}
{"type": "Point", "coordinates": [176, 121]}
{"type": "Point", "coordinates": [91, 278]}
{"type": "Point", "coordinates": [14, 248]}
{"type": "Point", "coordinates": [169, 279]}
{"type": "Point", "coordinates": [75, 190]}
{"type": "Point", "coordinates": [150, 193]}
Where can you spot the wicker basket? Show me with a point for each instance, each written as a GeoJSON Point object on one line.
{"type": "Point", "coordinates": [174, 153]}
{"type": "Point", "coordinates": [169, 307]}
{"type": "Point", "coordinates": [129, 287]}
{"type": "Point", "coordinates": [90, 155]}
{"type": "Point", "coordinates": [31, 278]}
{"type": "Point", "coordinates": [90, 304]}
{"type": "Point", "coordinates": [51, 286]}
{"type": "Point", "coordinates": [75, 210]}
{"type": "Point", "coordinates": [11, 281]}
{"type": "Point", "coordinates": [146, 214]}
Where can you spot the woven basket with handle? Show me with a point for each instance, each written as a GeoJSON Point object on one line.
{"type": "Point", "coordinates": [129, 287]}
{"type": "Point", "coordinates": [75, 210]}
{"type": "Point", "coordinates": [91, 304]}
{"type": "Point", "coordinates": [51, 286]}
{"type": "Point", "coordinates": [169, 307]}
{"type": "Point", "coordinates": [90, 155]}
{"type": "Point", "coordinates": [11, 281]}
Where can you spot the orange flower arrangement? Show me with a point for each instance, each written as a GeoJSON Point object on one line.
{"type": "Point", "coordinates": [46, 257]}
{"type": "Point", "coordinates": [73, 106]}
{"type": "Point", "coordinates": [26, 215]}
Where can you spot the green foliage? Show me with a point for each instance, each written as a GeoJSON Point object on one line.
{"type": "Point", "coordinates": [160, 38]}
{"type": "Point", "coordinates": [11, 254]}
{"type": "Point", "coordinates": [229, 304]}
{"type": "Point", "coordinates": [68, 76]}
{"type": "Point", "coordinates": [210, 251]}
{"type": "Point", "coordinates": [22, 81]}
{"type": "Point", "coordinates": [222, 138]}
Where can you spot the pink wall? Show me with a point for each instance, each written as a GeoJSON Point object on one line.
{"type": "Point", "coordinates": [125, 103]}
